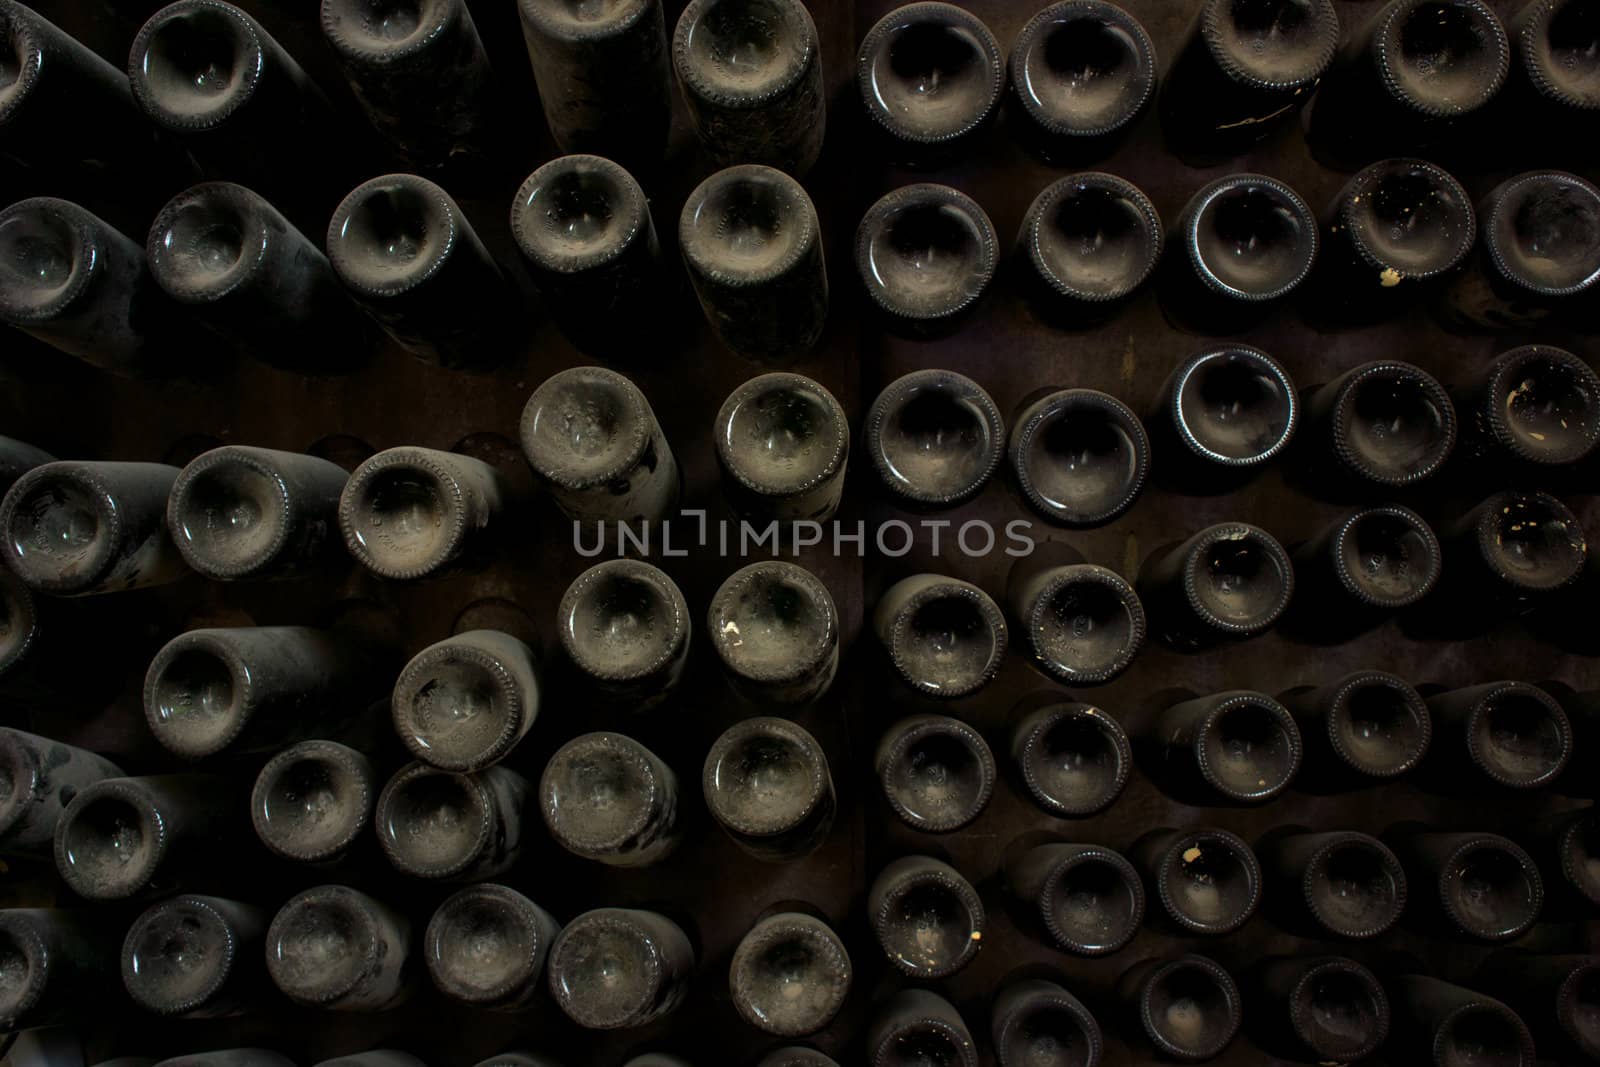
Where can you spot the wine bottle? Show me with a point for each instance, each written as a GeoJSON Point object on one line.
{"type": "Point", "coordinates": [616, 968]}
{"type": "Point", "coordinates": [1371, 562]}
{"type": "Point", "coordinates": [946, 638]}
{"type": "Point", "coordinates": [918, 1024]}
{"type": "Point", "coordinates": [239, 512]}
{"type": "Point", "coordinates": [420, 74]}
{"type": "Point", "coordinates": [935, 438]}
{"type": "Point", "coordinates": [1220, 416]}
{"type": "Point", "coordinates": [1089, 241]}
{"type": "Point", "coordinates": [313, 800]}
{"type": "Point", "coordinates": [1074, 758]}
{"type": "Point", "coordinates": [1084, 71]}
{"type": "Point", "coordinates": [751, 74]}
{"type": "Point", "coordinates": [796, 1056]}
{"type": "Point", "coordinates": [464, 827]}
{"type": "Point", "coordinates": [790, 975]}
{"type": "Point", "coordinates": [776, 630]}
{"type": "Point", "coordinates": [1567, 848]}
{"type": "Point", "coordinates": [1085, 899]}
{"type": "Point", "coordinates": [927, 918]}
{"type": "Point", "coordinates": [72, 281]}
{"type": "Point", "coordinates": [1081, 624]}
{"type": "Point", "coordinates": [1327, 1009]}
{"type": "Point", "coordinates": [767, 784]}
{"type": "Point", "coordinates": [1346, 883]}
{"type": "Point", "coordinates": [486, 947]}
{"type": "Point", "coordinates": [592, 439]}
{"type": "Point", "coordinates": [412, 512]}
{"type": "Point", "coordinates": [1550, 86]}
{"type": "Point", "coordinates": [1079, 456]}
{"type": "Point", "coordinates": [1208, 881]}
{"type": "Point", "coordinates": [57, 965]}
{"type": "Point", "coordinates": [1533, 405]}
{"type": "Point", "coordinates": [1242, 71]}
{"type": "Point", "coordinates": [38, 779]}
{"type": "Point", "coordinates": [464, 703]}
{"type": "Point", "coordinates": [253, 688]}
{"type": "Point", "coordinates": [930, 76]}
{"type": "Point", "coordinates": [926, 255]}
{"type": "Point", "coordinates": [937, 773]}
{"type": "Point", "coordinates": [602, 77]}
{"type": "Point", "coordinates": [121, 836]}
{"type": "Point", "coordinates": [607, 798]}
{"type": "Point", "coordinates": [1187, 1007]}
{"type": "Point", "coordinates": [625, 626]}
{"type": "Point", "coordinates": [1383, 423]}
{"type": "Point", "coordinates": [1365, 727]}
{"type": "Point", "coordinates": [1554, 995]}
{"type": "Point", "coordinates": [1240, 746]}
{"type": "Point", "coordinates": [230, 1057]}
{"type": "Point", "coordinates": [1506, 556]}
{"type": "Point", "coordinates": [1480, 884]}
{"type": "Point", "coordinates": [194, 957]}
{"type": "Point", "coordinates": [583, 226]}
{"type": "Point", "coordinates": [337, 949]}
{"type": "Point", "coordinates": [1436, 1023]}
{"type": "Point", "coordinates": [1247, 241]}
{"type": "Point", "coordinates": [406, 252]}
{"type": "Point", "coordinates": [1414, 78]}
{"type": "Point", "coordinates": [245, 272]}
{"type": "Point", "coordinates": [74, 528]}
{"type": "Point", "coordinates": [1538, 254]}
{"type": "Point", "coordinates": [1227, 582]}
{"type": "Point", "coordinates": [782, 442]}
{"type": "Point", "coordinates": [753, 248]}
{"type": "Point", "coordinates": [1036, 1022]}
{"type": "Point", "coordinates": [1513, 733]}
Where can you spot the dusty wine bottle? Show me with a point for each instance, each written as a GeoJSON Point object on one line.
{"type": "Point", "coordinates": [55, 964]}
{"type": "Point", "coordinates": [753, 247]}
{"type": "Point", "coordinates": [1073, 758]}
{"type": "Point", "coordinates": [464, 703]}
{"type": "Point", "coordinates": [790, 975]}
{"type": "Point", "coordinates": [72, 281]}
{"type": "Point", "coordinates": [625, 626]}
{"type": "Point", "coordinates": [239, 512]}
{"type": "Point", "coordinates": [1325, 1008]}
{"type": "Point", "coordinates": [930, 76]}
{"type": "Point", "coordinates": [927, 918]}
{"type": "Point", "coordinates": [1507, 554]}
{"type": "Point", "coordinates": [486, 946]}
{"type": "Point", "coordinates": [583, 225]}
{"type": "Point", "coordinates": [602, 76]}
{"type": "Point", "coordinates": [409, 256]}
{"type": "Point", "coordinates": [1036, 1022]}
{"type": "Point", "coordinates": [935, 438]}
{"type": "Point", "coordinates": [751, 73]}
{"type": "Point", "coordinates": [593, 440]}
{"type": "Point", "coordinates": [1366, 725]}
{"type": "Point", "coordinates": [337, 949]}
{"type": "Point", "coordinates": [313, 800]}
{"type": "Point", "coordinates": [1347, 884]}
{"type": "Point", "coordinates": [1480, 884]}
{"type": "Point", "coordinates": [1208, 881]}
{"type": "Point", "coordinates": [1370, 563]}
{"type": "Point", "coordinates": [926, 255]}
{"type": "Point", "coordinates": [919, 1026]}
{"type": "Point", "coordinates": [1080, 456]}
{"type": "Point", "coordinates": [1081, 624]}
{"type": "Point", "coordinates": [194, 957]}
{"type": "Point", "coordinates": [1552, 80]}
{"type": "Point", "coordinates": [1085, 899]}
{"type": "Point", "coordinates": [616, 968]}
{"type": "Point", "coordinates": [775, 628]}
{"type": "Point", "coordinates": [419, 72]}
{"type": "Point", "coordinates": [1241, 746]}
{"type": "Point", "coordinates": [412, 512]}
{"type": "Point", "coordinates": [782, 442]}
{"type": "Point", "coordinates": [1514, 733]}
{"type": "Point", "coordinates": [463, 827]}
{"type": "Point", "coordinates": [1083, 71]}
{"type": "Point", "coordinates": [1535, 404]}
{"type": "Point", "coordinates": [607, 798]}
{"type": "Point", "coordinates": [1413, 79]}
{"type": "Point", "coordinates": [246, 273]}
{"type": "Point", "coordinates": [937, 773]}
{"type": "Point", "coordinates": [1244, 69]}
{"type": "Point", "coordinates": [767, 784]}
{"type": "Point", "coordinates": [1384, 423]}
{"type": "Point", "coordinates": [1220, 416]}
{"type": "Point", "coordinates": [38, 779]}
{"type": "Point", "coordinates": [1227, 582]}
{"type": "Point", "coordinates": [945, 638]}
{"type": "Point", "coordinates": [1538, 254]}
{"type": "Point", "coordinates": [1555, 995]}
{"type": "Point", "coordinates": [74, 528]}
{"type": "Point", "coordinates": [1088, 242]}
{"type": "Point", "coordinates": [120, 836]}
{"type": "Point", "coordinates": [1187, 1007]}
{"type": "Point", "coordinates": [1437, 1023]}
